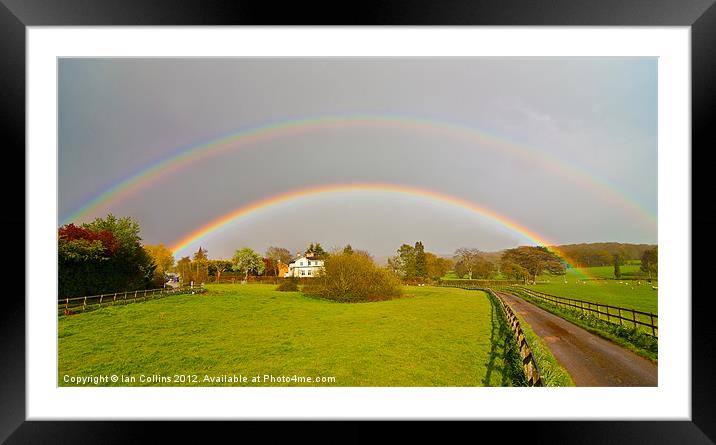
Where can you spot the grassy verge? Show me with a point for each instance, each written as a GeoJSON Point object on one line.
{"type": "Point", "coordinates": [504, 343]}
{"type": "Point", "coordinates": [630, 338]}
{"type": "Point", "coordinates": [553, 374]}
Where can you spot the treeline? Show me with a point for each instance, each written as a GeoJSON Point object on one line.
{"type": "Point", "coordinates": [602, 254]}
{"type": "Point", "coordinates": [103, 256]}
{"type": "Point", "coordinates": [245, 263]}
{"type": "Point", "coordinates": [412, 262]}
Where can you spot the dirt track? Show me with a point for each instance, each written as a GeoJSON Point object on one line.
{"type": "Point", "coordinates": [589, 359]}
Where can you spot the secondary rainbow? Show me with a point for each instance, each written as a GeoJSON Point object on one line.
{"type": "Point", "coordinates": [234, 216]}
{"type": "Point", "coordinates": [186, 156]}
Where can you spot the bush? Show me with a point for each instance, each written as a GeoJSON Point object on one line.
{"type": "Point", "coordinates": [288, 285]}
{"type": "Point", "coordinates": [352, 278]}
{"type": "Point", "coordinates": [104, 256]}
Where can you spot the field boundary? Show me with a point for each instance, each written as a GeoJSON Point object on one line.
{"type": "Point", "coordinates": [529, 364]}
{"type": "Point", "coordinates": [638, 318]}
{"type": "Point", "coordinates": [69, 306]}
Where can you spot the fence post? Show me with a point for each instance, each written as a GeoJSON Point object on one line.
{"type": "Point", "coordinates": [67, 304]}
{"type": "Point", "coordinates": [633, 317]}
{"type": "Point", "coordinates": [620, 317]}
{"type": "Point", "coordinates": [100, 300]}
{"type": "Point", "coordinates": [84, 305]}
{"type": "Point", "coordinates": [608, 314]}
{"type": "Point", "coordinates": [653, 331]}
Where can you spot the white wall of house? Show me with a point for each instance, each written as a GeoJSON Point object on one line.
{"type": "Point", "coordinates": [304, 267]}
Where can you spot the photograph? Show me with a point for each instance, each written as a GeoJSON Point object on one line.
{"type": "Point", "coordinates": [358, 221]}
{"type": "Point", "coordinates": [407, 213]}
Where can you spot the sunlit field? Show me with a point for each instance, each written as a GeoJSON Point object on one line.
{"type": "Point", "coordinates": [430, 337]}
{"type": "Point", "coordinates": [632, 294]}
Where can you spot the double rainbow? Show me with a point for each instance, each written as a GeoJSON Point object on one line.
{"type": "Point", "coordinates": [187, 156]}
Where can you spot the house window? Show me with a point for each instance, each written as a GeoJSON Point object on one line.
{"type": "Point", "coordinates": [301, 263]}
{"type": "Point", "coordinates": [303, 272]}
{"type": "Point", "coordinates": [309, 273]}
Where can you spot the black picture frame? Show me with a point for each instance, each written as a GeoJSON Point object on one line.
{"type": "Point", "coordinates": [16, 15]}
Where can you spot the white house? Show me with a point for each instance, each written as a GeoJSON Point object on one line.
{"type": "Point", "coordinates": [304, 266]}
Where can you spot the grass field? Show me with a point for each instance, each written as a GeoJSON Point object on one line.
{"type": "Point", "coordinates": [630, 294]}
{"type": "Point", "coordinates": [430, 337]}
{"type": "Point", "coordinates": [628, 271]}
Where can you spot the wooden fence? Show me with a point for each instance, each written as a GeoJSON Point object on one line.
{"type": "Point", "coordinates": [612, 314]}
{"type": "Point", "coordinates": [68, 306]}
{"type": "Point", "coordinates": [529, 364]}
{"type": "Point", "coordinates": [477, 282]}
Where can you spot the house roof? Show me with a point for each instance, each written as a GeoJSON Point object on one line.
{"type": "Point", "coordinates": [307, 258]}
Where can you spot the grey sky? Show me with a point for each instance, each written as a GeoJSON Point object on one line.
{"type": "Point", "coordinates": [118, 116]}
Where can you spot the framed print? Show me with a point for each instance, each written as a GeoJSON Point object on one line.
{"type": "Point", "coordinates": [254, 216]}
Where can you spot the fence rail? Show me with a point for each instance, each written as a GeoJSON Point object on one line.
{"type": "Point", "coordinates": [529, 364]}
{"type": "Point", "coordinates": [72, 305]}
{"type": "Point", "coordinates": [612, 314]}
{"type": "Point", "coordinates": [477, 282]}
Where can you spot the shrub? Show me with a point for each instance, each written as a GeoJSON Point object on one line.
{"type": "Point", "coordinates": [351, 277]}
{"type": "Point", "coordinates": [288, 285]}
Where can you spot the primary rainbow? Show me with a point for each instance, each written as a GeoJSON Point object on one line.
{"type": "Point", "coordinates": [234, 216]}
{"type": "Point", "coordinates": [195, 153]}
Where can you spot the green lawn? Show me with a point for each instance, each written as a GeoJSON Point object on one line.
{"type": "Point", "coordinates": [628, 271]}
{"type": "Point", "coordinates": [430, 337]}
{"type": "Point", "coordinates": [451, 275]}
{"type": "Point", "coordinates": [630, 294]}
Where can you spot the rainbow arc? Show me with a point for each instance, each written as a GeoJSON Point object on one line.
{"type": "Point", "coordinates": [187, 156]}
{"type": "Point", "coordinates": [192, 239]}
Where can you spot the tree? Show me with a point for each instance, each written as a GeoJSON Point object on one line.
{"type": "Point", "coordinates": [348, 249]}
{"type": "Point", "coordinates": [483, 268]}
{"type": "Point", "coordinates": [512, 270]}
{"type": "Point", "coordinates": [216, 267]}
{"type": "Point", "coordinates": [200, 266]}
{"type": "Point", "coordinates": [650, 262]}
{"type": "Point", "coordinates": [534, 260]}
{"type": "Point", "coordinates": [317, 251]}
{"type": "Point", "coordinates": [618, 262]}
{"type": "Point", "coordinates": [436, 267]}
{"type": "Point", "coordinates": [404, 263]}
{"type": "Point", "coordinates": [184, 269]}
{"type": "Point", "coordinates": [246, 260]}
{"type": "Point", "coordinates": [466, 261]}
{"type": "Point", "coordinates": [420, 266]}
{"type": "Point", "coordinates": [164, 260]}
{"type": "Point", "coordinates": [82, 257]}
{"type": "Point", "coordinates": [278, 255]}
{"type": "Point", "coordinates": [103, 256]}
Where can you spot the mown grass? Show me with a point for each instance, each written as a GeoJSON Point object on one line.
{"type": "Point", "coordinates": [430, 337]}
{"type": "Point", "coordinates": [629, 294]}
{"type": "Point", "coordinates": [629, 270]}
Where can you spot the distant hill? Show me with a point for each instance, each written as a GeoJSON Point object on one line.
{"type": "Point", "coordinates": [584, 254]}
{"type": "Point", "coordinates": [601, 254]}
{"type": "Point", "coordinates": [589, 254]}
